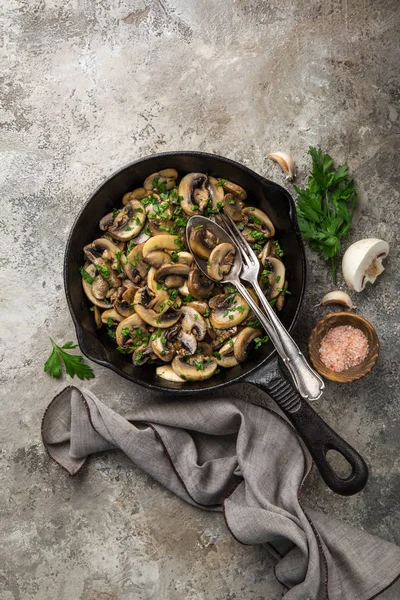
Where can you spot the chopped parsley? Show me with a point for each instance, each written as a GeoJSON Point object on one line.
{"type": "Point", "coordinates": [86, 276]}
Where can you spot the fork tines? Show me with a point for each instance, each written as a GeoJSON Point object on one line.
{"type": "Point", "coordinates": [246, 250]}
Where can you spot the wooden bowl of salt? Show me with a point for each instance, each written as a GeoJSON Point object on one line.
{"type": "Point", "coordinates": [343, 347]}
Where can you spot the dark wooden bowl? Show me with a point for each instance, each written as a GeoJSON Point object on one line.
{"type": "Point", "coordinates": [334, 320]}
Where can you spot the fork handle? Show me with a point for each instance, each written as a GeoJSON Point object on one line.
{"type": "Point", "coordinates": [307, 382]}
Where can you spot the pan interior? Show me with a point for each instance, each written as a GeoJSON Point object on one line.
{"type": "Point", "coordinates": [266, 195]}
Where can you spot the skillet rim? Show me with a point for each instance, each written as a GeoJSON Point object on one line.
{"type": "Point", "coordinates": [248, 376]}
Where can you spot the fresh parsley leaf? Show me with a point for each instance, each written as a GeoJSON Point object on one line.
{"type": "Point", "coordinates": [86, 276]}
{"type": "Point", "coordinates": [325, 207]}
{"type": "Point", "coordinates": [73, 363]}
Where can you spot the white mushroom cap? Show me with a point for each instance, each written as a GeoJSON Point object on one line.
{"type": "Point", "coordinates": [362, 262]}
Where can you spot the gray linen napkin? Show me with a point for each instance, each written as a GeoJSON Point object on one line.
{"type": "Point", "coordinates": [226, 454]}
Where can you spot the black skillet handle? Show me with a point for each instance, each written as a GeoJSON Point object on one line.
{"type": "Point", "coordinates": [315, 433]}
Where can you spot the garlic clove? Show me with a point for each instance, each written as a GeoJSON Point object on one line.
{"type": "Point", "coordinates": [362, 262]}
{"type": "Point", "coordinates": [285, 162]}
{"type": "Point", "coordinates": [337, 297]}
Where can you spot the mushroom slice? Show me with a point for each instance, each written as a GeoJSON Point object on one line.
{"type": "Point", "coordinates": [100, 288]}
{"type": "Point", "coordinates": [193, 322]}
{"type": "Point", "coordinates": [137, 194]}
{"type": "Point", "coordinates": [172, 269]}
{"type": "Point", "coordinates": [141, 238]}
{"type": "Point", "coordinates": [161, 242]}
{"type": "Point", "coordinates": [166, 372]}
{"type": "Point", "coordinates": [276, 276]}
{"type": "Point", "coordinates": [362, 262]}
{"type": "Point", "coordinates": [106, 221]}
{"type": "Point", "coordinates": [157, 258]}
{"type": "Point", "coordinates": [193, 190]}
{"type": "Point", "coordinates": [101, 248]}
{"type": "Point", "coordinates": [159, 227]}
{"type": "Point", "coordinates": [162, 347]}
{"type": "Point", "coordinates": [142, 354]}
{"type": "Point", "coordinates": [97, 317]}
{"type": "Point", "coordinates": [234, 189]}
{"type": "Point", "coordinates": [126, 329]}
{"type": "Point", "coordinates": [221, 261]}
{"type": "Point", "coordinates": [200, 306]}
{"type": "Point", "coordinates": [87, 287]}
{"type": "Point", "coordinates": [281, 299]}
{"type": "Point", "coordinates": [184, 290]}
{"type": "Point", "coordinates": [221, 336]}
{"type": "Point", "coordinates": [134, 266]}
{"type": "Point", "coordinates": [202, 242]}
{"type": "Point", "coordinates": [166, 176]}
{"type": "Point", "coordinates": [256, 218]}
{"type": "Point", "coordinates": [225, 355]}
{"type": "Point", "coordinates": [216, 191]}
{"type": "Point", "coordinates": [125, 305]}
{"type": "Point", "coordinates": [233, 205]}
{"type": "Point", "coordinates": [231, 312]}
{"type": "Point", "coordinates": [165, 319]}
{"type": "Point", "coordinates": [111, 313]}
{"type": "Point", "coordinates": [185, 258]}
{"type": "Point", "coordinates": [243, 341]}
{"type": "Point", "coordinates": [194, 369]}
{"type": "Point", "coordinates": [187, 342]}
{"type": "Point", "coordinates": [198, 285]}
{"type": "Point", "coordinates": [129, 222]}
{"type": "Point", "coordinates": [174, 281]}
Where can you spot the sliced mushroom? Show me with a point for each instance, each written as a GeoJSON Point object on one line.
{"type": "Point", "coordinates": [198, 285]}
{"type": "Point", "coordinates": [243, 341]}
{"type": "Point", "coordinates": [157, 258]}
{"type": "Point", "coordinates": [221, 261]}
{"type": "Point", "coordinates": [185, 258]}
{"type": "Point", "coordinates": [159, 227]}
{"type": "Point", "coordinates": [276, 276]}
{"type": "Point", "coordinates": [125, 305]}
{"type": "Point", "coordinates": [137, 194]}
{"type": "Point", "coordinates": [142, 354]}
{"type": "Point", "coordinates": [268, 250]}
{"type": "Point", "coordinates": [187, 343]}
{"type": "Point", "coordinates": [100, 288]}
{"type": "Point", "coordinates": [193, 190]}
{"type": "Point", "coordinates": [126, 328]}
{"type": "Point", "coordinates": [193, 372]}
{"type": "Point", "coordinates": [200, 306]}
{"type": "Point", "coordinates": [87, 287]}
{"type": "Point", "coordinates": [101, 248]}
{"type": "Point", "coordinates": [233, 205]}
{"type": "Point", "coordinates": [129, 222]}
{"type": "Point", "coordinates": [231, 312]}
{"type": "Point", "coordinates": [219, 337]}
{"type": "Point", "coordinates": [111, 313]}
{"type": "Point", "coordinates": [163, 348]}
{"type": "Point", "coordinates": [97, 317]}
{"type": "Point", "coordinates": [168, 317]}
{"type": "Point", "coordinates": [167, 176]}
{"type": "Point", "coordinates": [193, 322]}
{"type": "Point", "coordinates": [161, 242]}
{"type": "Point", "coordinates": [205, 349]}
{"type": "Point", "coordinates": [141, 238]}
{"type": "Point", "coordinates": [236, 190]}
{"type": "Point", "coordinates": [174, 281]}
{"type": "Point", "coordinates": [166, 372]}
{"type": "Point", "coordinates": [172, 269]}
{"type": "Point", "coordinates": [202, 241]}
{"type": "Point", "coordinates": [134, 267]}
{"type": "Point", "coordinates": [225, 355]}
{"type": "Point", "coordinates": [280, 301]}
{"type": "Point", "coordinates": [106, 221]}
{"type": "Point", "coordinates": [216, 191]}
{"type": "Point", "coordinates": [257, 219]}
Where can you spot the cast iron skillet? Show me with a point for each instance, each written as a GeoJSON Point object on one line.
{"type": "Point", "coordinates": [262, 368]}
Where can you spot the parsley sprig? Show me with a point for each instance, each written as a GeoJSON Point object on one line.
{"type": "Point", "coordinates": [325, 207]}
{"type": "Point", "coordinates": [73, 363]}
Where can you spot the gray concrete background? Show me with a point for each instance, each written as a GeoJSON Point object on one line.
{"type": "Point", "coordinates": [88, 86]}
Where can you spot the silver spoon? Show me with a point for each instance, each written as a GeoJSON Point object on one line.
{"type": "Point", "coordinates": [308, 383]}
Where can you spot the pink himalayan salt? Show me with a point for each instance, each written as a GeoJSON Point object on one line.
{"type": "Point", "coordinates": [343, 347]}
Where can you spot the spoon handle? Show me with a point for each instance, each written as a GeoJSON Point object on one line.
{"type": "Point", "coordinates": [308, 383]}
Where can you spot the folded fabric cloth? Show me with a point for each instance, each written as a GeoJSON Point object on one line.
{"type": "Point", "coordinates": [245, 460]}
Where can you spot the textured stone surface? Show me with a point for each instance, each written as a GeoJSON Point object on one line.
{"type": "Point", "coordinates": [88, 86]}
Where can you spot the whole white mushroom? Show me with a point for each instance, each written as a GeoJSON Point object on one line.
{"type": "Point", "coordinates": [362, 262]}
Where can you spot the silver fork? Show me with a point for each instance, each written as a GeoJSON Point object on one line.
{"type": "Point", "coordinates": [306, 380]}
